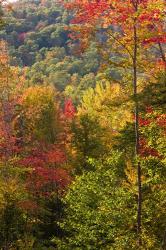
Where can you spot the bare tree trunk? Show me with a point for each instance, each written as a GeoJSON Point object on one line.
{"type": "Point", "coordinates": [135, 88]}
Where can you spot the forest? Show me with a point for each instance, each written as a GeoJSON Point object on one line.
{"type": "Point", "coordinates": [82, 125]}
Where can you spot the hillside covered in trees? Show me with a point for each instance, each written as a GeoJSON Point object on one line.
{"type": "Point", "coordinates": [38, 39]}
{"type": "Point", "coordinates": [82, 125]}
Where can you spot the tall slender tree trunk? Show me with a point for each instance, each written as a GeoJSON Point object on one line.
{"type": "Point", "coordinates": [135, 88]}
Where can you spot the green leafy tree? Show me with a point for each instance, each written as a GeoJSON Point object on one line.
{"type": "Point", "coordinates": [87, 141]}
{"type": "Point", "coordinates": [97, 213]}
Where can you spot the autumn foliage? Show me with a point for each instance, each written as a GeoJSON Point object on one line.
{"type": "Point", "coordinates": [83, 125]}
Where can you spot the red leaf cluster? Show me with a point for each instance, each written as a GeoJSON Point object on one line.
{"type": "Point", "coordinates": [157, 39]}
{"type": "Point", "coordinates": [159, 121]}
{"type": "Point", "coordinates": [144, 122]}
{"type": "Point", "coordinates": [69, 109]}
{"type": "Point", "coordinates": [145, 150]}
{"type": "Point", "coordinates": [46, 174]}
{"type": "Point", "coordinates": [47, 180]}
{"type": "Point", "coordinates": [56, 156]}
